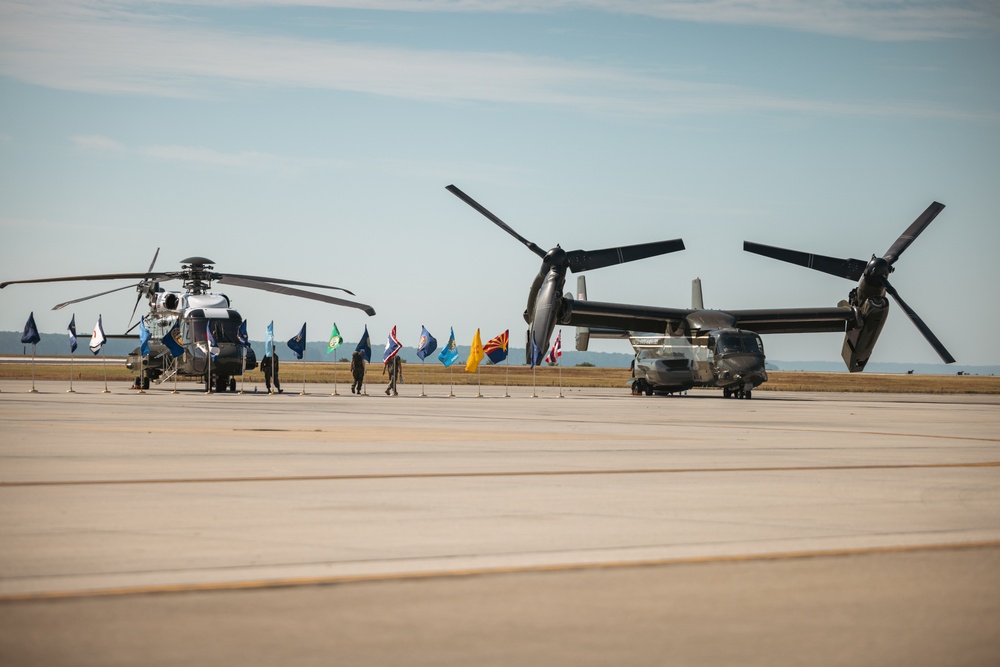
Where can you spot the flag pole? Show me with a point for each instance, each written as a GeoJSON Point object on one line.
{"type": "Point", "coordinates": [142, 359]}
{"type": "Point", "coordinates": [451, 376]}
{"type": "Point", "coordinates": [365, 383]}
{"type": "Point", "coordinates": [303, 392]}
{"type": "Point", "coordinates": [208, 353]}
{"type": "Point", "coordinates": [70, 390]}
{"type": "Point", "coordinates": [177, 367]}
{"type": "Point", "coordinates": [534, 394]}
{"type": "Point", "coordinates": [243, 366]}
{"type": "Point", "coordinates": [506, 378]}
{"type": "Point", "coordinates": [33, 390]}
{"type": "Point", "coordinates": [104, 362]}
{"type": "Point", "coordinates": [560, 381]}
{"type": "Point", "coordinates": [422, 378]}
{"type": "Point", "coordinates": [479, 378]}
{"type": "Point", "coordinates": [335, 373]}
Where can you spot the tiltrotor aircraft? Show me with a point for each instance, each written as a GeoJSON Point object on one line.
{"type": "Point", "coordinates": [196, 312]}
{"type": "Point", "coordinates": [680, 348]}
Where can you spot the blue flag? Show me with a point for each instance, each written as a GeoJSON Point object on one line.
{"type": "Point", "coordinates": [298, 344]}
{"type": "Point", "coordinates": [392, 346]}
{"type": "Point", "coordinates": [428, 343]}
{"type": "Point", "coordinates": [365, 346]}
{"type": "Point", "coordinates": [172, 340]}
{"type": "Point", "coordinates": [269, 340]}
{"type": "Point", "coordinates": [143, 339]}
{"type": "Point", "coordinates": [449, 354]}
{"type": "Point", "coordinates": [536, 354]}
{"type": "Point", "coordinates": [30, 334]}
{"type": "Point", "coordinates": [242, 337]}
{"type": "Point", "coordinates": [72, 334]}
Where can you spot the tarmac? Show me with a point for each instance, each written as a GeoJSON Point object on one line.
{"type": "Point", "coordinates": [593, 529]}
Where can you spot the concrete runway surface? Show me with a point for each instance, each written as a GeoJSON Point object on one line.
{"type": "Point", "coordinates": [595, 529]}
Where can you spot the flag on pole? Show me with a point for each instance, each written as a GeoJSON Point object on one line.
{"type": "Point", "coordinates": [269, 340]}
{"type": "Point", "coordinates": [336, 340]}
{"type": "Point", "coordinates": [365, 346]}
{"type": "Point", "coordinates": [30, 334]}
{"type": "Point", "coordinates": [143, 338]}
{"type": "Point", "coordinates": [476, 354]}
{"type": "Point", "coordinates": [298, 343]}
{"type": "Point", "coordinates": [213, 349]}
{"type": "Point", "coordinates": [392, 346]}
{"type": "Point", "coordinates": [496, 348]}
{"type": "Point", "coordinates": [449, 354]}
{"type": "Point", "coordinates": [98, 339]}
{"type": "Point", "coordinates": [72, 333]}
{"type": "Point", "coordinates": [428, 343]}
{"type": "Point", "coordinates": [173, 340]}
{"type": "Point", "coordinates": [535, 354]}
{"type": "Point", "coordinates": [242, 335]}
{"type": "Point", "coordinates": [556, 350]}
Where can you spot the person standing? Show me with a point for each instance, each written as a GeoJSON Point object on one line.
{"type": "Point", "coordinates": [395, 367]}
{"type": "Point", "coordinates": [270, 367]}
{"type": "Point", "coordinates": [357, 371]}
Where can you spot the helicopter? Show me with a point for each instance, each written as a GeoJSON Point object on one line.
{"type": "Point", "coordinates": [194, 317]}
{"type": "Point", "coordinates": [680, 348]}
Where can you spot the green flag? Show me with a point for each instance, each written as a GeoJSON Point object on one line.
{"type": "Point", "coordinates": [335, 339]}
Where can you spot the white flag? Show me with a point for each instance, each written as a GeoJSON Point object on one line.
{"type": "Point", "coordinates": [98, 339]}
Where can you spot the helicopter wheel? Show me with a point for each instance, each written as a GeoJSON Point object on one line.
{"type": "Point", "coordinates": [748, 394]}
{"type": "Point", "coordinates": [232, 385]}
{"type": "Point", "coordinates": [727, 393]}
{"type": "Point", "coordinates": [145, 383]}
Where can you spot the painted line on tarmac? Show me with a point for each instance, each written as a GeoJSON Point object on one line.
{"type": "Point", "coordinates": [511, 473]}
{"type": "Point", "coordinates": [300, 582]}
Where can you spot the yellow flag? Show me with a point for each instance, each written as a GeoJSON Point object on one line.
{"type": "Point", "coordinates": [476, 354]}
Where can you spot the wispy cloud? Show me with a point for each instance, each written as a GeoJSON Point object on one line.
{"type": "Point", "coordinates": [883, 20]}
{"type": "Point", "coordinates": [123, 49]}
{"type": "Point", "coordinates": [194, 156]}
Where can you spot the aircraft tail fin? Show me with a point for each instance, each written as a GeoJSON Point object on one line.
{"type": "Point", "coordinates": [697, 303]}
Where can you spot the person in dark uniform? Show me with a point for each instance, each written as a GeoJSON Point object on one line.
{"type": "Point", "coordinates": [270, 367]}
{"type": "Point", "coordinates": [395, 368]}
{"type": "Point", "coordinates": [357, 371]}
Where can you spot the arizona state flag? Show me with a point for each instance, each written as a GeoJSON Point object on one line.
{"type": "Point", "coordinates": [496, 348]}
{"type": "Point", "coordinates": [476, 354]}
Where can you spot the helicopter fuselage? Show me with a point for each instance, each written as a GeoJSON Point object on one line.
{"type": "Point", "coordinates": [196, 315]}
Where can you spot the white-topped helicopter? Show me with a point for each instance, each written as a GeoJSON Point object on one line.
{"type": "Point", "coordinates": [193, 314]}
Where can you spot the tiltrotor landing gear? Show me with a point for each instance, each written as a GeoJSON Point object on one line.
{"type": "Point", "coordinates": [737, 393]}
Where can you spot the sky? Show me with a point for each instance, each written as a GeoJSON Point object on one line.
{"type": "Point", "coordinates": [313, 140]}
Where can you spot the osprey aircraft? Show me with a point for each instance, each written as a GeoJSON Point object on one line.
{"type": "Point", "coordinates": [194, 318]}
{"type": "Point", "coordinates": [680, 348]}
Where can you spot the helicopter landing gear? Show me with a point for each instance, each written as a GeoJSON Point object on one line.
{"type": "Point", "coordinates": [222, 384]}
{"type": "Point", "coordinates": [232, 384]}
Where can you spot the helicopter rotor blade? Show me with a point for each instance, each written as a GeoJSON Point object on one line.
{"type": "Point", "coordinates": [850, 269]}
{"type": "Point", "coordinates": [912, 232]}
{"type": "Point", "coordinates": [585, 260]}
{"type": "Point", "coordinates": [138, 297]}
{"type": "Point", "coordinates": [226, 277]}
{"type": "Point", "coordinates": [100, 276]}
{"type": "Point", "coordinates": [924, 329]}
{"type": "Point", "coordinates": [60, 306]}
{"type": "Point", "coordinates": [495, 220]}
{"type": "Point", "coordinates": [291, 291]}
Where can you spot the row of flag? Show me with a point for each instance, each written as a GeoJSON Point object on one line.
{"type": "Point", "coordinates": [495, 349]}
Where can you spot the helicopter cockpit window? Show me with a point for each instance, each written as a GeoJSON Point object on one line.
{"type": "Point", "coordinates": [224, 331]}
{"type": "Point", "coordinates": [728, 344]}
{"type": "Point", "coordinates": [751, 343]}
